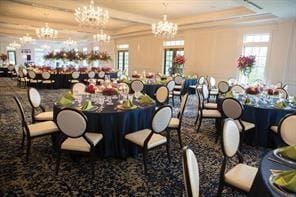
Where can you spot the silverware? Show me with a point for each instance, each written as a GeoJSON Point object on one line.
{"type": "Point", "coordinates": [279, 162]}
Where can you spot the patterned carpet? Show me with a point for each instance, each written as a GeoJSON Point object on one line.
{"type": "Point", "coordinates": [114, 177]}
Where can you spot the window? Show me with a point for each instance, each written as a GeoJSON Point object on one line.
{"type": "Point", "coordinates": [39, 53]}
{"type": "Point", "coordinates": [169, 55]}
{"type": "Point", "coordinates": [173, 43]}
{"type": "Point", "coordinates": [11, 57]}
{"type": "Point", "coordinates": [257, 45]}
{"type": "Point", "coordinates": [122, 58]}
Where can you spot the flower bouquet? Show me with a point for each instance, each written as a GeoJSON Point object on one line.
{"type": "Point", "coordinates": [91, 88]}
{"type": "Point", "coordinates": [245, 64]}
{"type": "Point", "coordinates": [272, 91]}
{"type": "Point", "coordinates": [149, 75]}
{"type": "Point", "coordinates": [178, 63]}
{"type": "Point", "coordinates": [252, 90]}
{"type": "Point", "coordinates": [109, 91]}
{"type": "Point", "coordinates": [106, 69]}
{"type": "Point", "coordinates": [3, 57]}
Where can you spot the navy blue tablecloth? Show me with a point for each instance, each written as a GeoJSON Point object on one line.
{"type": "Point", "coordinates": [187, 83]}
{"type": "Point", "coordinates": [4, 72]}
{"type": "Point", "coordinates": [261, 186]}
{"type": "Point", "coordinates": [263, 118]}
{"type": "Point", "coordinates": [114, 125]}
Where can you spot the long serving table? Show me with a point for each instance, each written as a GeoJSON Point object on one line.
{"type": "Point", "coordinates": [114, 124]}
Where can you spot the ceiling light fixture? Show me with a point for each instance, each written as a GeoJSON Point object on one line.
{"type": "Point", "coordinates": [91, 15]}
{"type": "Point", "coordinates": [70, 42]}
{"type": "Point", "coordinates": [164, 28]}
{"type": "Point", "coordinates": [14, 45]}
{"type": "Point", "coordinates": [46, 32]}
{"type": "Point", "coordinates": [26, 39]}
{"type": "Point", "coordinates": [102, 37]}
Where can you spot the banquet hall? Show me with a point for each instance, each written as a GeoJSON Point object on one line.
{"type": "Point", "coordinates": [148, 98]}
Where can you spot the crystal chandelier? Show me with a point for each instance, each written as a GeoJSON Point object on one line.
{"type": "Point", "coordinates": [45, 46]}
{"type": "Point", "coordinates": [26, 39]}
{"type": "Point", "coordinates": [70, 42]}
{"type": "Point", "coordinates": [164, 28]}
{"type": "Point", "coordinates": [91, 15]}
{"type": "Point", "coordinates": [14, 45]}
{"type": "Point", "coordinates": [102, 37]}
{"type": "Point", "coordinates": [46, 32]}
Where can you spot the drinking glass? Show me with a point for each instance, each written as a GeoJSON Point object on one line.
{"type": "Point", "coordinates": [101, 101]}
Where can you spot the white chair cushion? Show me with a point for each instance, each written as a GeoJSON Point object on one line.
{"type": "Point", "coordinates": [44, 116]}
{"type": "Point", "coordinates": [274, 129]}
{"type": "Point", "coordinates": [139, 137]}
{"type": "Point", "coordinates": [211, 113]}
{"type": "Point", "coordinates": [178, 87]}
{"type": "Point", "coordinates": [247, 125]}
{"type": "Point", "coordinates": [214, 91]}
{"type": "Point", "coordinates": [74, 81]}
{"type": "Point", "coordinates": [80, 144]}
{"type": "Point", "coordinates": [241, 176]}
{"type": "Point", "coordinates": [48, 81]}
{"type": "Point", "coordinates": [42, 128]}
{"type": "Point", "coordinates": [211, 105]}
{"type": "Point", "coordinates": [35, 81]}
{"type": "Point", "coordinates": [174, 123]}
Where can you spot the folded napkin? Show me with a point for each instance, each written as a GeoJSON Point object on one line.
{"type": "Point", "coordinates": [229, 94]}
{"type": "Point", "coordinates": [66, 99]}
{"type": "Point", "coordinates": [288, 152]}
{"type": "Point", "coordinates": [86, 105]}
{"type": "Point", "coordinates": [138, 94]}
{"type": "Point", "coordinates": [146, 100]}
{"type": "Point", "coordinates": [280, 104]}
{"type": "Point", "coordinates": [127, 104]}
{"type": "Point", "coordinates": [286, 179]}
{"type": "Point", "coordinates": [247, 101]}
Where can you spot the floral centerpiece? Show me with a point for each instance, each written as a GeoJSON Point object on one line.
{"type": "Point", "coordinates": [109, 91]}
{"type": "Point", "coordinates": [3, 57]}
{"type": "Point", "coordinates": [91, 88]}
{"type": "Point", "coordinates": [245, 64]}
{"type": "Point", "coordinates": [106, 68]}
{"type": "Point", "coordinates": [136, 75]}
{"type": "Point", "coordinates": [178, 63]}
{"type": "Point", "coordinates": [149, 75]}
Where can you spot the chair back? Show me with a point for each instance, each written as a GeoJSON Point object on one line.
{"type": "Point", "coordinates": [21, 74]}
{"type": "Point", "coordinates": [78, 88]}
{"type": "Point", "coordinates": [178, 80]}
{"type": "Point", "coordinates": [32, 74]}
{"type": "Point", "coordinates": [212, 82]}
{"type": "Point", "coordinates": [201, 80]}
{"type": "Point", "coordinates": [101, 74]}
{"type": "Point", "coordinates": [124, 86]}
{"type": "Point", "coordinates": [190, 173]}
{"type": "Point", "coordinates": [162, 94]}
{"type": "Point", "coordinates": [285, 87]}
{"type": "Point", "coordinates": [20, 106]}
{"type": "Point", "coordinates": [238, 88]}
{"type": "Point", "coordinates": [232, 108]}
{"type": "Point", "coordinates": [91, 74]}
{"type": "Point", "coordinates": [11, 67]}
{"type": "Point", "coordinates": [230, 138]}
{"type": "Point", "coordinates": [197, 99]}
{"type": "Point", "coordinates": [279, 84]}
{"type": "Point", "coordinates": [287, 129]}
{"type": "Point", "coordinates": [232, 81]}
{"type": "Point", "coordinates": [137, 85]}
{"type": "Point", "coordinates": [46, 75]}
{"type": "Point", "coordinates": [283, 92]}
{"type": "Point", "coordinates": [25, 71]}
{"type": "Point", "coordinates": [223, 87]}
{"type": "Point", "coordinates": [161, 118]}
{"type": "Point", "coordinates": [34, 97]}
{"type": "Point", "coordinates": [71, 122]}
{"type": "Point", "coordinates": [205, 92]}
{"type": "Point", "coordinates": [75, 75]}
{"type": "Point", "coordinates": [171, 85]}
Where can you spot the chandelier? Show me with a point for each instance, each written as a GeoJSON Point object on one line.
{"type": "Point", "coordinates": [26, 39]}
{"type": "Point", "coordinates": [102, 37]}
{"type": "Point", "coordinates": [14, 45]}
{"type": "Point", "coordinates": [70, 42]}
{"type": "Point", "coordinates": [46, 32]}
{"type": "Point", "coordinates": [45, 46]}
{"type": "Point", "coordinates": [164, 28]}
{"type": "Point", "coordinates": [91, 15]}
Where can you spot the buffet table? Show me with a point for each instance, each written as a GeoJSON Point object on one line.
{"type": "Point", "coordinates": [114, 124]}
{"type": "Point", "coordinates": [3, 72]}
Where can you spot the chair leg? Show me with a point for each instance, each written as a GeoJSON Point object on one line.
{"type": "Point", "coordinates": [23, 141]}
{"type": "Point", "coordinates": [144, 160]}
{"type": "Point", "coordinates": [195, 123]}
{"type": "Point", "coordinates": [180, 139]}
{"type": "Point", "coordinates": [168, 146]}
{"type": "Point", "coordinates": [58, 162]}
{"type": "Point", "coordinates": [199, 124]}
{"type": "Point", "coordinates": [28, 148]}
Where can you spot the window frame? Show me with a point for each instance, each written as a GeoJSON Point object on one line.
{"type": "Point", "coordinates": [175, 50]}
{"type": "Point", "coordinates": [124, 51]}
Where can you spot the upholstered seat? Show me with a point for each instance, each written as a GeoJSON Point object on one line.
{"type": "Point", "coordinates": [176, 92]}
{"type": "Point", "coordinates": [214, 91]}
{"type": "Point", "coordinates": [44, 116]}
{"type": "Point", "coordinates": [247, 125]}
{"type": "Point", "coordinates": [241, 176]}
{"type": "Point", "coordinates": [80, 144]}
{"type": "Point", "coordinates": [42, 128]}
{"type": "Point", "coordinates": [274, 129]}
{"type": "Point", "coordinates": [211, 113]}
{"type": "Point", "coordinates": [210, 105]}
{"type": "Point", "coordinates": [73, 81]}
{"type": "Point", "coordinates": [174, 123]}
{"type": "Point", "coordinates": [35, 81]}
{"type": "Point", "coordinates": [48, 81]}
{"type": "Point", "coordinates": [178, 86]}
{"type": "Point", "coordinates": [140, 136]}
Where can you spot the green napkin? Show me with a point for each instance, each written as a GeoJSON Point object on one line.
{"type": "Point", "coordinates": [294, 100]}
{"type": "Point", "coordinates": [286, 179]}
{"type": "Point", "coordinates": [86, 105]}
{"type": "Point", "coordinates": [66, 99]}
{"type": "Point", "coordinates": [288, 152]}
{"type": "Point", "coordinates": [280, 105]}
{"type": "Point", "coordinates": [247, 101]}
{"type": "Point", "coordinates": [229, 94]}
{"type": "Point", "coordinates": [127, 104]}
{"type": "Point", "coordinates": [146, 100]}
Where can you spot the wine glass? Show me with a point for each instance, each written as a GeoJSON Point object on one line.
{"type": "Point", "coordinates": [101, 101]}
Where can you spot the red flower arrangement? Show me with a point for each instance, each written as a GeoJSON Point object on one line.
{"type": "Point", "coordinates": [103, 56]}
{"type": "Point", "coordinates": [149, 75]}
{"type": "Point", "coordinates": [91, 88]}
{"type": "Point", "coordinates": [252, 90]}
{"type": "Point", "coordinates": [73, 55]}
{"type": "Point", "coordinates": [3, 57]}
{"type": "Point", "coordinates": [179, 60]}
{"type": "Point", "coordinates": [110, 91]}
{"type": "Point", "coordinates": [135, 75]}
{"type": "Point", "coordinates": [245, 64]}
{"type": "Point", "coordinates": [106, 68]}
{"type": "Point", "coordinates": [272, 91]}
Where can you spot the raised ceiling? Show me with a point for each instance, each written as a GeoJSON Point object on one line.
{"type": "Point", "coordinates": [18, 17]}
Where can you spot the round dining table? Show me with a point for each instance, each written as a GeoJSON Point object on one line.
{"type": "Point", "coordinates": [262, 186]}
{"type": "Point", "coordinates": [114, 124]}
